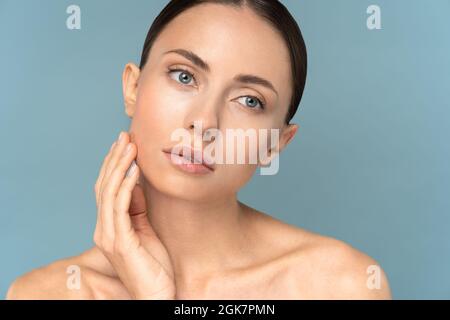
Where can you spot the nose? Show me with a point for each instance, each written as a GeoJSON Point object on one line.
{"type": "Point", "coordinates": [202, 117]}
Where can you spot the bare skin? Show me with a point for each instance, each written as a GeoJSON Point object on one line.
{"type": "Point", "coordinates": [176, 236]}
{"type": "Point", "coordinates": [302, 265]}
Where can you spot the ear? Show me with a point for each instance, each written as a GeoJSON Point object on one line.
{"type": "Point", "coordinates": [287, 134]}
{"type": "Point", "coordinates": [130, 78]}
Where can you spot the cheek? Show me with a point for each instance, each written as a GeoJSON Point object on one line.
{"type": "Point", "coordinates": [233, 177]}
{"type": "Point", "coordinates": [148, 122]}
{"type": "Point", "coordinates": [152, 105]}
{"type": "Point", "coordinates": [158, 111]}
{"type": "Point", "coordinates": [151, 127]}
{"type": "Point", "coordinates": [249, 144]}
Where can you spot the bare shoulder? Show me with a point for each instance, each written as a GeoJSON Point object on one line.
{"type": "Point", "coordinates": [52, 281]}
{"type": "Point", "coordinates": [324, 267]}
{"type": "Point", "coordinates": [341, 271]}
{"type": "Point", "coordinates": [74, 278]}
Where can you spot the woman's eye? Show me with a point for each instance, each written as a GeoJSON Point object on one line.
{"type": "Point", "coordinates": [252, 102]}
{"type": "Point", "coordinates": [184, 77]}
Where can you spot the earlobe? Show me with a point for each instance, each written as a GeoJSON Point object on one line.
{"type": "Point", "coordinates": [288, 135]}
{"type": "Point", "coordinates": [271, 153]}
{"type": "Point", "coordinates": [130, 79]}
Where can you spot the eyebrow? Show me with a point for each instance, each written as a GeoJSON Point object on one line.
{"type": "Point", "coordinates": [242, 78]}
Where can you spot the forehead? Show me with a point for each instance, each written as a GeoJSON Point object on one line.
{"type": "Point", "coordinates": [231, 40]}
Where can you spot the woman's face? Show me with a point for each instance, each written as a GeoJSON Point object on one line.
{"type": "Point", "coordinates": [231, 42]}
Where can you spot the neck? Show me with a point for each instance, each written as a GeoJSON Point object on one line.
{"type": "Point", "coordinates": [203, 238]}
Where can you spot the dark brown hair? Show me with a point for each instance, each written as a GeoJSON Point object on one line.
{"type": "Point", "coordinates": [272, 11]}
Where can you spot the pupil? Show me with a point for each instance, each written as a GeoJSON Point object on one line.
{"type": "Point", "coordinates": [183, 77]}
{"type": "Point", "coordinates": [251, 99]}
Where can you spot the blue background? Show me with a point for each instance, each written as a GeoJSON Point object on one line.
{"type": "Point", "coordinates": [370, 163]}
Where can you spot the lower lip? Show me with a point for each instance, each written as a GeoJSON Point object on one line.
{"type": "Point", "coordinates": [182, 163]}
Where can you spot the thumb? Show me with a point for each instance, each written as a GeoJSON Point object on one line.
{"type": "Point", "coordinates": [138, 209]}
{"type": "Point", "coordinates": [137, 203]}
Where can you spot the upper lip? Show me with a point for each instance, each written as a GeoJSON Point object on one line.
{"type": "Point", "coordinates": [196, 155]}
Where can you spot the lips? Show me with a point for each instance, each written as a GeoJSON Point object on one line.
{"type": "Point", "coordinates": [194, 156]}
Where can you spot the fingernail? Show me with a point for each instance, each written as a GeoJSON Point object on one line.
{"type": "Point", "coordinates": [127, 149]}
{"type": "Point", "coordinates": [121, 135]}
{"type": "Point", "coordinates": [131, 169]}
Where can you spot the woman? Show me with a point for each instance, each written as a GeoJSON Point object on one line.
{"type": "Point", "coordinates": [172, 230]}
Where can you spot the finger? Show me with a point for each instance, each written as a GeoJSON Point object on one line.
{"type": "Point", "coordinates": [105, 201]}
{"type": "Point", "coordinates": [102, 173]}
{"type": "Point", "coordinates": [116, 153]}
{"type": "Point", "coordinates": [138, 210]}
{"type": "Point", "coordinates": [137, 204]}
{"type": "Point", "coordinates": [98, 227]}
{"type": "Point", "coordinates": [111, 188]}
{"type": "Point", "coordinates": [131, 198]}
{"type": "Point", "coordinates": [122, 220]}
{"type": "Point", "coordinates": [134, 204]}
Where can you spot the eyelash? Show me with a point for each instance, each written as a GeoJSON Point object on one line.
{"type": "Point", "coordinates": [170, 70]}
